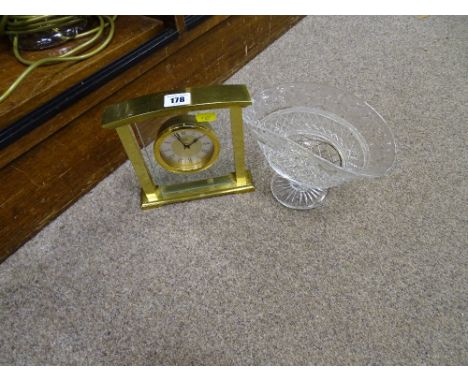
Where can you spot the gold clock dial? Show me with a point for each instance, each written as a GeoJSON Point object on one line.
{"type": "Point", "coordinates": [184, 146]}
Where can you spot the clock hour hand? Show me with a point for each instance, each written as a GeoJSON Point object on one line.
{"type": "Point", "coordinates": [180, 140]}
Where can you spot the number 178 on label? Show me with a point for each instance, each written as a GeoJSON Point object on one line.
{"type": "Point", "coordinates": [179, 99]}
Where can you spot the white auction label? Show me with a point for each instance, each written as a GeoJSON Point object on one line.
{"type": "Point", "coordinates": [179, 99]}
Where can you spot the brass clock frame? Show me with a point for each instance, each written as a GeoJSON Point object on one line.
{"type": "Point", "coordinates": [185, 122]}
{"type": "Point", "coordinates": [123, 116]}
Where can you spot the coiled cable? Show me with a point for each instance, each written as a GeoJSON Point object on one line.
{"type": "Point", "coordinates": [17, 26]}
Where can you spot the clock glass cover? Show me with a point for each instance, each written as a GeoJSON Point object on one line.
{"type": "Point", "coordinates": [186, 146]}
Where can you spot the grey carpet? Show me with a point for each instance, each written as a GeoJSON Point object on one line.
{"type": "Point", "coordinates": [378, 276]}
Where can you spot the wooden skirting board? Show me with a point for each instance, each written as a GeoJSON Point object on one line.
{"type": "Point", "coordinates": [42, 182]}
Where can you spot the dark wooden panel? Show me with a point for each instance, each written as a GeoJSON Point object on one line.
{"type": "Point", "coordinates": [43, 182]}
{"type": "Point", "coordinates": [54, 124]}
{"type": "Point", "coordinates": [48, 81]}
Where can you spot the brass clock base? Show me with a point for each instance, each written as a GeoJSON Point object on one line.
{"type": "Point", "coordinates": [223, 185]}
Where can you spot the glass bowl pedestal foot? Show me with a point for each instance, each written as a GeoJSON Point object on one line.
{"type": "Point", "coordinates": [294, 195]}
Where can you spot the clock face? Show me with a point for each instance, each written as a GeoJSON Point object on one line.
{"type": "Point", "coordinates": [183, 148]}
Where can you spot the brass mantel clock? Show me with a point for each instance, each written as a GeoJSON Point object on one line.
{"type": "Point", "coordinates": [189, 141]}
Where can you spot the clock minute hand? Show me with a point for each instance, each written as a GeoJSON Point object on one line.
{"type": "Point", "coordinates": [191, 143]}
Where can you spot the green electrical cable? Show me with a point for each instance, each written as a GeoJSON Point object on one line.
{"type": "Point", "coordinates": [14, 26]}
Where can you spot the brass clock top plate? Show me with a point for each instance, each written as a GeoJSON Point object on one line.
{"type": "Point", "coordinates": [186, 146]}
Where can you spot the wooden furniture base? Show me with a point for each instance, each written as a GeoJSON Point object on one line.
{"type": "Point", "coordinates": [44, 181]}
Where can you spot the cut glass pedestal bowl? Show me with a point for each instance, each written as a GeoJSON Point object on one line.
{"type": "Point", "coordinates": [315, 137]}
